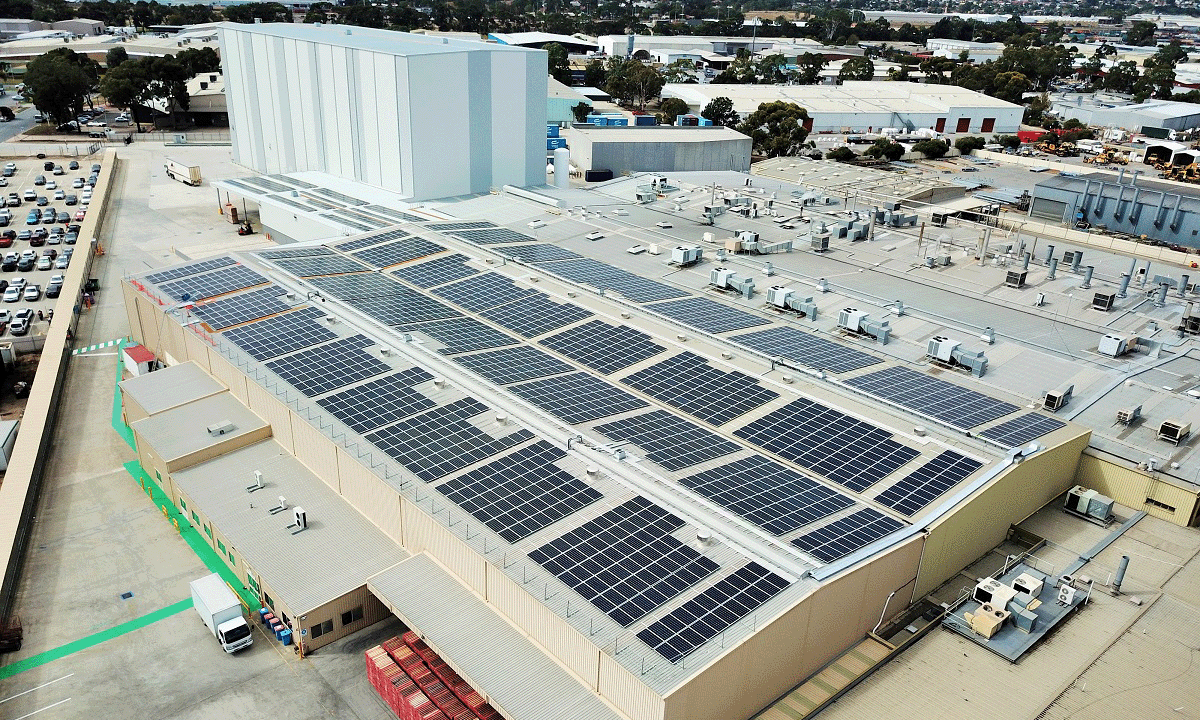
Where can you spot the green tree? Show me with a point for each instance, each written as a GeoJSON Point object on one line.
{"type": "Point", "coordinates": [558, 63]}
{"type": "Point", "coordinates": [633, 83]}
{"type": "Point", "coordinates": [1009, 141]}
{"type": "Point", "coordinates": [1170, 54]}
{"type": "Point", "coordinates": [60, 82]}
{"type": "Point", "coordinates": [266, 11]}
{"type": "Point", "coordinates": [857, 68]}
{"type": "Point", "coordinates": [189, 14]}
{"type": "Point", "coordinates": [1140, 33]}
{"type": "Point", "coordinates": [669, 108]}
{"type": "Point", "coordinates": [931, 148]}
{"type": "Point", "coordinates": [680, 71]}
{"type": "Point", "coordinates": [126, 86]}
{"type": "Point", "coordinates": [1010, 86]}
{"type": "Point", "coordinates": [808, 69]}
{"type": "Point", "coordinates": [594, 74]}
{"type": "Point", "coordinates": [363, 16]}
{"type": "Point", "coordinates": [971, 142]}
{"type": "Point", "coordinates": [884, 147]}
{"type": "Point", "coordinates": [199, 60]}
{"type": "Point", "coordinates": [115, 56]}
{"type": "Point", "coordinates": [841, 154]}
{"type": "Point", "coordinates": [318, 12]}
{"type": "Point", "coordinates": [776, 128]}
{"type": "Point", "coordinates": [720, 111]}
{"type": "Point", "coordinates": [581, 111]}
{"type": "Point", "coordinates": [1122, 77]}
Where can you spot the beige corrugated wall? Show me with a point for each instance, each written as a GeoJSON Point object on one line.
{"type": "Point", "coordinates": [267, 406]}
{"type": "Point", "coordinates": [1132, 487]}
{"type": "Point", "coordinates": [423, 534]}
{"type": "Point", "coordinates": [627, 693]}
{"type": "Point", "coordinates": [372, 497]}
{"type": "Point", "coordinates": [229, 375]}
{"type": "Point", "coordinates": [981, 523]}
{"type": "Point", "coordinates": [313, 448]}
{"type": "Point", "coordinates": [197, 350]}
{"type": "Point", "coordinates": [373, 612]}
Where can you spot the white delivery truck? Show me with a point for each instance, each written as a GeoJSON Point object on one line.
{"type": "Point", "coordinates": [221, 611]}
{"type": "Point", "coordinates": [189, 174]}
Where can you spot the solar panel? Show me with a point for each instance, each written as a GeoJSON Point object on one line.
{"type": "Point", "coordinates": [774, 497]}
{"type": "Point", "coordinates": [578, 397]}
{"type": "Point", "coordinates": [397, 215]}
{"type": "Point", "coordinates": [607, 277]}
{"type": "Point", "coordinates": [668, 439]}
{"type": "Point", "coordinates": [931, 396]}
{"type": "Point", "coordinates": [320, 265]}
{"type": "Point", "coordinates": [483, 291]}
{"type": "Point", "coordinates": [708, 315]}
{"type": "Point", "coordinates": [320, 369]}
{"type": "Point", "coordinates": [462, 225]}
{"type": "Point", "coordinates": [604, 347]}
{"type": "Point", "coordinates": [384, 299]}
{"type": "Point", "coordinates": [710, 613]}
{"type": "Point", "coordinates": [535, 315]}
{"type": "Point", "coordinates": [462, 335]}
{"type": "Point", "coordinates": [443, 440]}
{"type": "Point", "coordinates": [807, 349]}
{"type": "Point", "coordinates": [516, 364]}
{"type": "Point", "coordinates": [927, 482]}
{"type": "Point", "coordinates": [369, 240]}
{"type": "Point", "coordinates": [625, 562]}
{"type": "Point", "coordinates": [244, 307]}
{"type": "Point", "coordinates": [436, 272]}
{"type": "Point", "coordinates": [842, 537]}
{"type": "Point", "coordinates": [492, 236]}
{"type": "Point", "coordinates": [540, 253]}
{"type": "Point", "coordinates": [213, 283]}
{"type": "Point", "coordinates": [522, 492]}
{"type": "Point", "coordinates": [399, 251]}
{"type": "Point", "coordinates": [337, 196]}
{"type": "Point", "coordinates": [848, 451]}
{"type": "Point", "coordinates": [283, 253]}
{"type": "Point", "coordinates": [293, 181]}
{"type": "Point", "coordinates": [163, 276]}
{"type": "Point", "coordinates": [1022, 429]}
{"type": "Point", "coordinates": [281, 334]}
{"type": "Point", "coordinates": [379, 402]}
{"type": "Point", "coordinates": [688, 382]}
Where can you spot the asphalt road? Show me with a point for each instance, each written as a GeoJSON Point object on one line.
{"type": "Point", "coordinates": [23, 122]}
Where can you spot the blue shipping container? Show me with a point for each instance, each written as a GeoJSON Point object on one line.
{"type": "Point", "coordinates": [597, 119]}
{"type": "Point", "coordinates": [551, 131]}
{"type": "Point", "coordinates": [618, 121]}
{"type": "Point", "coordinates": [645, 120]}
{"type": "Point", "coordinates": [555, 142]}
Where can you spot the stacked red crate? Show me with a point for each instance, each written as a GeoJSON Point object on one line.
{"type": "Point", "coordinates": [418, 685]}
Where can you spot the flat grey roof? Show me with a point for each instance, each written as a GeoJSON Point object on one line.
{"type": "Point", "coordinates": [183, 430]}
{"type": "Point", "coordinates": [361, 38]}
{"type": "Point", "coordinates": [335, 555]}
{"type": "Point", "coordinates": [503, 664]}
{"type": "Point", "coordinates": [170, 387]}
{"type": "Point", "coordinates": [658, 133]}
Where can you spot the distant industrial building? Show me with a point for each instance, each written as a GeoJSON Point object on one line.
{"type": "Point", "coordinates": [1167, 212]}
{"type": "Point", "coordinates": [539, 40]}
{"type": "Point", "coordinates": [421, 116]}
{"type": "Point", "coordinates": [1164, 114]}
{"type": "Point", "coordinates": [865, 106]}
{"type": "Point", "coordinates": [661, 148]}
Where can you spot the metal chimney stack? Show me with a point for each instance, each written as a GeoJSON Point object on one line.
{"type": "Point", "coordinates": [1087, 276]}
{"type": "Point", "coordinates": [1124, 290]}
{"type": "Point", "coordinates": [1053, 268]}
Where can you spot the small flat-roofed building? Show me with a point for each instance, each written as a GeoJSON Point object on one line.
{"type": "Point", "coordinates": [660, 148]}
{"type": "Point", "coordinates": [165, 389]}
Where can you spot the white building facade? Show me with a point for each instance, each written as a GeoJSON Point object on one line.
{"type": "Point", "coordinates": [424, 117]}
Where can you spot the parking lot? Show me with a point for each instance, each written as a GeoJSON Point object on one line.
{"type": "Point", "coordinates": [39, 226]}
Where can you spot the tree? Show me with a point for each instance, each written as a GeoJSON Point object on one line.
{"type": "Point", "coordinates": [841, 154]}
{"type": "Point", "coordinates": [189, 14]}
{"type": "Point", "coordinates": [1140, 33]}
{"type": "Point", "coordinates": [884, 147]}
{"type": "Point", "coordinates": [858, 68]}
{"type": "Point", "coordinates": [126, 86]}
{"type": "Point", "coordinates": [720, 111]}
{"type": "Point", "coordinates": [594, 74]}
{"type": "Point", "coordinates": [808, 69]}
{"type": "Point", "coordinates": [199, 60]}
{"type": "Point", "coordinates": [680, 71]}
{"type": "Point", "coordinates": [265, 11]}
{"type": "Point", "coordinates": [633, 83]}
{"type": "Point", "coordinates": [1170, 54]}
{"type": "Point", "coordinates": [581, 111]}
{"type": "Point", "coordinates": [1010, 86]}
{"type": "Point", "coordinates": [669, 108]}
{"type": "Point", "coordinates": [58, 82]}
{"type": "Point", "coordinates": [168, 84]}
{"type": "Point", "coordinates": [1122, 77]}
{"type": "Point", "coordinates": [971, 142]}
{"type": "Point", "coordinates": [364, 16]}
{"type": "Point", "coordinates": [318, 12]}
{"type": "Point", "coordinates": [931, 148]}
{"type": "Point", "coordinates": [557, 62]}
{"type": "Point", "coordinates": [115, 56]}
{"type": "Point", "coordinates": [776, 128]}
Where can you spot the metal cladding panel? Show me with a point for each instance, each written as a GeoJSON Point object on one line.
{"type": "Point", "coordinates": [470, 635]}
{"type": "Point", "coordinates": [423, 534]}
{"type": "Point", "coordinates": [372, 496]}
{"type": "Point", "coordinates": [314, 449]}
{"type": "Point", "coordinates": [621, 688]}
{"type": "Point", "coordinates": [197, 350]}
{"type": "Point", "coordinates": [147, 314]}
{"type": "Point", "coordinates": [223, 370]}
{"type": "Point", "coordinates": [269, 408]}
{"type": "Point", "coordinates": [172, 341]}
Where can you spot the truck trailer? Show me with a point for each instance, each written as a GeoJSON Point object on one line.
{"type": "Point", "coordinates": [221, 612]}
{"type": "Point", "coordinates": [189, 174]}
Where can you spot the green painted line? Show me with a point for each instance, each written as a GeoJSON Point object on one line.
{"type": "Point", "coordinates": [843, 671]}
{"type": "Point", "coordinates": [830, 689]}
{"type": "Point", "coordinates": [118, 421]}
{"type": "Point", "coordinates": [92, 640]}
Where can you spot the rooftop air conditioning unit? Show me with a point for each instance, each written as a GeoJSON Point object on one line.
{"type": "Point", "coordinates": [819, 242]}
{"type": "Point", "coordinates": [1089, 503]}
{"type": "Point", "coordinates": [1174, 431]}
{"type": "Point", "coordinates": [1129, 415]}
{"type": "Point", "coordinates": [720, 277]}
{"type": "Point", "coordinates": [300, 517]}
{"type": "Point", "coordinates": [851, 319]}
{"type": "Point", "coordinates": [778, 295]}
{"type": "Point", "coordinates": [1028, 584]}
{"type": "Point", "coordinates": [1059, 398]}
{"type": "Point", "coordinates": [684, 256]}
{"type": "Point", "coordinates": [942, 348]}
{"type": "Point", "coordinates": [221, 427]}
{"type": "Point", "coordinates": [1016, 278]}
{"type": "Point", "coordinates": [1104, 301]}
{"type": "Point", "coordinates": [992, 592]}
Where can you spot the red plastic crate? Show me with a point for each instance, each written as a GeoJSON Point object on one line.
{"type": "Point", "coordinates": [418, 672]}
{"type": "Point", "coordinates": [453, 707]}
{"type": "Point", "coordinates": [465, 715]}
{"type": "Point", "coordinates": [472, 700]}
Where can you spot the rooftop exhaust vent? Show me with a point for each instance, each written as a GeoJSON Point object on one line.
{"type": "Point", "coordinates": [221, 427]}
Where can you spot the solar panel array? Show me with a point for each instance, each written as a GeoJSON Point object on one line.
{"type": "Point", "coordinates": [398, 251]}
{"type": "Point", "coordinates": [212, 283]}
{"type": "Point", "coordinates": [522, 492]}
{"type": "Point", "coordinates": [384, 299]}
{"type": "Point", "coordinates": [515, 364]}
{"type": "Point", "coordinates": [379, 402]}
{"type": "Point", "coordinates": [369, 240]}
{"type": "Point", "coordinates": [931, 396]}
{"type": "Point", "coordinates": [540, 253]}
{"type": "Point", "coordinates": [163, 276]}
{"type": "Point", "coordinates": [927, 482]}
{"type": "Point", "coordinates": [842, 537]}
{"type": "Point", "coordinates": [625, 562]}
{"type": "Point", "coordinates": [607, 277]}
{"type": "Point", "coordinates": [668, 439]}
{"type": "Point", "coordinates": [848, 451]}
{"type": "Point", "coordinates": [281, 334]}
{"type": "Point", "coordinates": [492, 236]}
{"type": "Point", "coordinates": [774, 497]}
{"type": "Point", "coordinates": [688, 382]}
{"type": "Point", "coordinates": [710, 613]}
{"type": "Point", "coordinates": [318, 370]}
{"type": "Point", "coordinates": [241, 308]}
{"type": "Point", "coordinates": [1022, 429]}
{"type": "Point", "coordinates": [315, 265]}
{"type": "Point", "coordinates": [442, 440]}
{"type": "Point", "coordinates": [462, 334]}
{"type": "Point", "coordinates": [578, 397]}
{"type": "Point", "coordinates": [708, 315]}
{"type": "Point", "coordinates": [484, 291]}
{"type": "Point", "coordinates": [807, 349]}
{"type": "Point", "coordinates": [460, 225]}
{"type": "Point", "coordinates": [604, 347]}
{"type": "Point", "coordinates": [436, 272]}
{"type": "Point", "coordinates": [284, 253]}
{"type": "Point", "coordinates": [535, 315]}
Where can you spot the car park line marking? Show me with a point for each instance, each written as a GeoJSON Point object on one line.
{"type": "Point", "coordinates": [92, 640]}
{"type": "Point", "coordinates": [39, 687]}
{"type": "Point", "coordinates": [35, 712]}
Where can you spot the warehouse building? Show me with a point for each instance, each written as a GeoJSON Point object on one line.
{"type": "Point", "coordinates": [445, 117]}
{"type": "Point", "coordinates": [680, 521]}
{"type": "Point", "coordinates": [1154, 114]}
{"type": "Point", "coordinates": [866, 106]}
{"type": "Point", "coordinates": [659, 148]}
{"type": "Point", "coordinates": [1167, 212]}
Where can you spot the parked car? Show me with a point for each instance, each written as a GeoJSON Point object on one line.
{"type": "Point", "coordinates": [51, 185]}
{"type": "Point", "coordinates": [30, 195]}
{"type": "Point", "coordinates": [6, 241]}
{"type": "Point", "coordinates": [25, 235]}
{"type": "Point", "coordinates": [74, 165]}
{"type": "Point", "coordinates": [71, 238]}
{"type": "Point", "coordinates": [32, 292]}
{"type": "Point", "coordinates": [72, 200]}
{"type": "Point", "coordinates": [53, 290]}
{"type": "Point", "coordinates": [48, 165]}
{"type": "Point", "coordinates": [79, 215]}
{"type": "Point", "coordinates": [18, 282]}
{"type": "Point", "coordinates": [97, 123]}
{"type": "Point", "coordinates": [19, 326]}
{"type": "Point", "coordinates": [50, 216]}
{"type": "Point", "coordinates": [12, 294]}
{"type": "Point", "coordinates": [43, 264]}
{"type": "Point", "coordinates": [77, 183]}
{"type": "Point", "coordinates": [60, 194]}
{"type": "Point", "coordinates": [50, 253]}
{"type": "Point", "coordinates": [26, 264]}
{"type": "Point", "coordinates": [3, 182]}
{"type": "Point", "coordinates": [62, 217]}
{"type": "Point", "coordinates": [39, 180]}
{"type": "Point", "coordinates": [58, 170]}
{"type": "Point", "coordinates": [33, 218]}
{"type": "Point", "coordinates": [5, 220]}
{"type": "Point", "coordinates": [95, 168]}
{"type": "Point", "coordinates": [43, 201]}
{"type": "Point", "coordinates": [62, 263]}
{"type": "Point", "coordinates": [14, 200]}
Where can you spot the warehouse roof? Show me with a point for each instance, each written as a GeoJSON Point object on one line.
{"type": "Point", "coordinates": [361, 38]}
{"type": "Point", "coordinates": [170, 387]}
{"type": "Point", "coordinates": [183, 430]}
{"type": "Point", "coordinates": [338, 551]}
{"type": "Point", "coordinates": [655, 133]}
{"type": "Point", "coordinates": [850, 97]}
